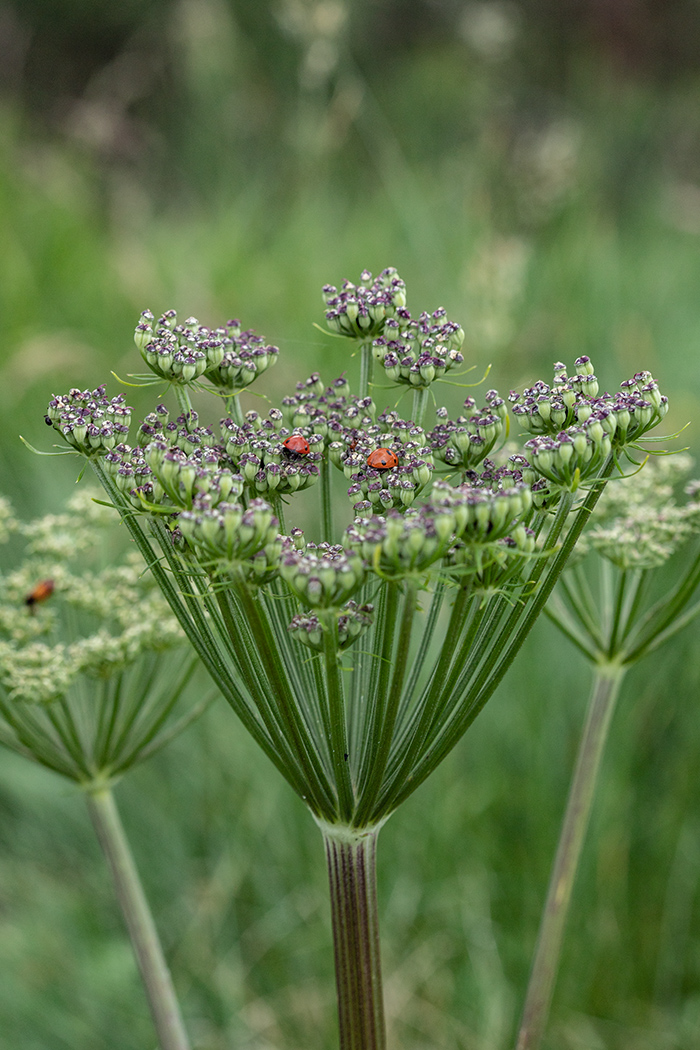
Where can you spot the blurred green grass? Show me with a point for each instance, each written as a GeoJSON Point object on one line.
{"type": "Point", "coordinates": [579, 234]}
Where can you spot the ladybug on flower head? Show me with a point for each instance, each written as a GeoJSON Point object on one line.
{"type": "Point", "coordinates": [296, 445]}
{"type": "Point", "coordinates": [382, 459]}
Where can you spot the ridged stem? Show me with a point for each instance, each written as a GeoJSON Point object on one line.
{"type": "Point", "coordinates": [326, 500]}
{"type": "Point", "coordinates": [234, 410]}
{"type": "Point", "coordinates": [420, 403]}
{"type": "Point", "coordinates": [337, 717]}
{"type": "Point", "coordinates": [137, 915]}
{"type": "Point", "coordinates": [604, 693]}
{"type": "Point", "coordinates": [184, 403]}
{"type": "Point", "coordinates": [366, 363]}
{"type": "Point", "coordinates": [351, 857]}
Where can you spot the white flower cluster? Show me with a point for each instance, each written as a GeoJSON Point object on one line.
{"type": "Point", "coordinates": [36, 672]}
{"type": "Point", "coordinates": [637, 523]}
{"type": "Point", "coordinates": [59, 620]}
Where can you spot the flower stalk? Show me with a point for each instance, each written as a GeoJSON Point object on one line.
{"type": "Point", "coordinates": [351, 859]}
{"type": "Point", "coordinates": [155, 974]}
{"type": "Point", "coordinates": [606, 688]}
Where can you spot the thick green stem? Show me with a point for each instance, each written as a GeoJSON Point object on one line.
{"type": "Point", "coordinates": [606, 688]}
{"type": "Point", "coordinates": [144, 937]}
{"type": "Point", "coordinates": [351, 857]}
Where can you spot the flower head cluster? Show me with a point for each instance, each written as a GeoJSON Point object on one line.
{"type": "Point", "coordinates": [90, 422]}
{"type": "Point", "coordinates": [397, 545]}
{"type": "Point", "coordinates": [487, 507]}
{"type": "Point", "coordinates": [387, 463]}
{"type": "Point", "coordinates": [323, 576]}
{"type": "Point", "coordinates": [572, 402]}
{"type": "Point", "coordinates": [246, 356]}
{"type": "Point", "coordinates": [164, 477]}
{"type": "Point", "coordinates": [269, 456]}
{"type": "Point", "coordinates": [352, 619]}
{"type": "Point", "coordinates": [572, 456]}
{"type": "Point", "coordinates": [228, 531]}
{"type": "Point", "coordinates": [360, 311]}
{"type": "Point", "coordinates": [488, 510]}
{"type": "Point", "coordinates": [116, 613]}
{"type": "Point", "coordinates": [464, 442]}
{"type": "Point", "coordinates": [418, 351]}
{"type": "Point", "coordinates": [181, 353]}
{"type": "Point", "coordinates": [637, 523]}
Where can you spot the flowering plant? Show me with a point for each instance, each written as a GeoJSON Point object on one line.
{"type": "Point", "coordinates": [89, 689]}
{"type": "Point", "coordinates": [408, 624]}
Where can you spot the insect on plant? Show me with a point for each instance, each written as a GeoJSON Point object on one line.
{"type": "Point", "coordinates": [297, 445]}
{"type": "Point", "coordinates": [40, 593]}
{"type": "Point", "coordinates": [382, 459]}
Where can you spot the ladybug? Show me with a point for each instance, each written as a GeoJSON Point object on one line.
{"type": "Point", "coordinates": [41, 592]}
{"type": "Point", "coordinates": [382, 459]}
{"type": "Point", "coordinates": [297, 445]}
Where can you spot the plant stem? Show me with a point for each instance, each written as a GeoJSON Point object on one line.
{"type": "Point", "coordinates": [351, 857]}
{"type": "Point", "coordinates": [604, 693]}
{"type": "Point", "coordinates": [182, 395]}
{"type": "Point", "coordinates": [390, 707]}
{"type": "Point", "coordinates": [420, 403]}
{"type": "Point", "coordinates": [337, 721]}
{"type": "Point", "coordinates": [366, 363]}
{"type": "Point", "coordinates": [326, 502]}
{"type": "Point", "coordinates": [234, 410]}
{"type": "Point", "coordinates": [278, 507]}
{"type": "Point", "coordinates": [137, 914]}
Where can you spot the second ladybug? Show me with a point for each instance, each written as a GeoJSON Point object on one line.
{"type": "Point", "coordinates": [297, 445]}
{"type": "Point", "coordinates": [382, 459]}
{"type": "Point", "coordinates": [41, 592]}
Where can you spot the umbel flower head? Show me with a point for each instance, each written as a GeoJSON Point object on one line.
{"type": "Point", "coordinates": [88, 421]}
{"type": "Point", "coordinates": [228, 357]}
{"type": "Point", "coordinates": [638, 523]}
{"type": "Point", "coordinates": [353, 621]}
{"type": "Point", "coordinates": [362, 310]}
{"type": "Point", "coordinates": [615, 611]}
{"type": "Point", "coordinates": [88, 645]}
{"type": "Point", "coordinates": [380, 689]}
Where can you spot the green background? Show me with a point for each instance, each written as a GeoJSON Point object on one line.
{"type": "Point", "coordinates": [533, 167]}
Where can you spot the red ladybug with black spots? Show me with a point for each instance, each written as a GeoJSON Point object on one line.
{"type": "Point", "coordinates": [296, 445]}
{"type": "Point", "coordinates": [382, 459]}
